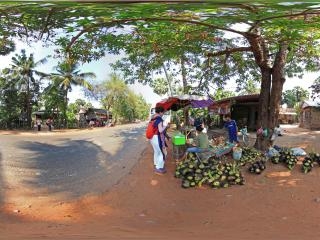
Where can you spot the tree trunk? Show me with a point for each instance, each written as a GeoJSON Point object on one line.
{"type": "Point", "coordinates": [28, 102]}
{"type": "Point", "coordinates": [270, 98]}
{"type": "Point", "coordinates": [168, 79]}
{"type": "Point", "coordinates": [65, 121]}
{"type": "Point", "coordinates": [272, 80]}
{"type": "Point", "coordinates": [278, 80]}
{"type": "Point", "coordinates": [185, 89]}
{"type": "Point", "coordinates": [264, 108]}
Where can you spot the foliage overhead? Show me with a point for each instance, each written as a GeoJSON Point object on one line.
{"type": "Point", "coordinates": [160, 32]}
{"type": "Point", "coordinates": [200, 43]}
{"type": "Point", "coordinates": [315, 89]}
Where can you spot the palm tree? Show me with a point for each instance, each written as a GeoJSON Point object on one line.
{"type": "Point", "coordinates": [68, 75]}
{"type": "Point", "coordinates": [115, 90]}
{"type": "Point", "coordinates": [22, 72]}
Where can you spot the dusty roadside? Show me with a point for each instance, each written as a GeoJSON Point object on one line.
{"type": "Point", "coordinates": [278, 204]}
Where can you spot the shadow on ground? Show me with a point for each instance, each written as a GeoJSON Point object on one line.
{"type": "Point", "coordinates": [67, 167]}
{"type": "Point", "coordinates": [76, 167]}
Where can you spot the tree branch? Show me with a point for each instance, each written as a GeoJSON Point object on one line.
{"type": "Point", "coordinates": [303, 13]}
{"type": "Point", "coordinates": [229, 51]}
{"type": "Point", "coordinates": [120, 21]}
{"type": "Point", "coordinates": [45, 28]}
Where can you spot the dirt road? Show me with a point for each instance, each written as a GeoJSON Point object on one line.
{"type": "Point", "coordinates": [52, 167]}
{"type": "Point", "coordinates": [277, 204]}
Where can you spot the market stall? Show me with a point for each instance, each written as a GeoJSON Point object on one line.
{"type": "Point", "coordinates": [175, 103]}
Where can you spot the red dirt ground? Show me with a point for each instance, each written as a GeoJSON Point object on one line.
{"type": "Point", "coordinates": [278, 204]}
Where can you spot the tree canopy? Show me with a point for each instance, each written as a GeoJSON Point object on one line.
{"type": "Point", "coordinates": [202, 44]}
{"type": "Point", "coordinates": [294, 96]}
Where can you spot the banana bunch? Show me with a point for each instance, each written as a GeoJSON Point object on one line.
{"type": "Point", "coordinates": [275, 159]}
{"type": "Point", "coordinates": [287, 157]}
{"type": "Point", "coordinates": [249, 155]}
{"type": "Point", "coordinates": [224, 175]}
{"type": "Point", "coordinates": [307, 164]}
{"type": "Point", "coordinates": [216, 174]}
{"type": "Point", "coordinates": [257, 167]}
{"type": "Point", "coordinates": [315, 157]}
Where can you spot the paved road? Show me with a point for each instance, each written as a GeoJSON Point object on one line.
{"type": "Point", "coordinates": [67, 165]}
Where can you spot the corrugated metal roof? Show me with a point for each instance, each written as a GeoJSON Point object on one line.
{"type": "Point", "coordinates": [310, 103]}
{"type": "Point", "coordinates": [242, 98]}
{"type": "Point", "coordinates": [98, 110]}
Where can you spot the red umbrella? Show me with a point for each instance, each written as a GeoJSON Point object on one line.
{"type": "Point", "coordinates": [172, 103]}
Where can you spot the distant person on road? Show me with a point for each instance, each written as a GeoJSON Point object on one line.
{"type": "Point", "coordinates": [39, 122]}
{"type": "Point", "coordinates": [49, 123]}
{"type": "Point", "coordinates": [91, 123]}
{"type": "Point", "coordinates": [232, 128]}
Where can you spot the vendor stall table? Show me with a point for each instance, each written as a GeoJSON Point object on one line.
{"type": "Point", "coordinates": [215, 152]}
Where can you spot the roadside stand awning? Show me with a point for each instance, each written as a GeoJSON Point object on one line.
{"type": "Point", "coordinates": [175, 103]}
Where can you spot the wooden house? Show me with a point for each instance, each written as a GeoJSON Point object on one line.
{"type": "Point", "coordinates": [101, 117]}
{"type": "Point", "coordinates": [243, 109]}
{"type": "Point", "coordinates": [287, 116]}
{"type": "Point", "coordinates": [310, 115]}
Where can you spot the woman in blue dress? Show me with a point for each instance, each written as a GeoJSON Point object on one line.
{"type": "Point", "coordinates": [158, 142]}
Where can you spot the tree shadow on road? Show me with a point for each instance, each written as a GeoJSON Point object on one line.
{"type": "Point", "coordinates": [65, 168]}
{"type": "Point", "coordinates": [1, 181]}
{"type": "Point", "coordinates": [71, 167]}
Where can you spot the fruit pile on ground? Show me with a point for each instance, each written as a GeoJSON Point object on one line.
{"type": "Point", "coordinates": [249, 155]}
{"type": "Point", "coordinates": [225, 172]}
{"type": "Point", "coordinates": [257, 167]}
{"type": "Point", "coordinates": [286, 157]}
{"type": "Point", "coordinates": [308, 162]}
{"type": "Point", "coordinates": [211, 172]}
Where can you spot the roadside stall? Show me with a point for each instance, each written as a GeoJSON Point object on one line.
{"type": "Point", "coordinates": [175, 103]}
{"type": "Point", "coordinates": [217, 148]}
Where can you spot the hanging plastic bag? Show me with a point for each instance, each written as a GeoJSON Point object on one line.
{"type": "Point", "coordinates": [272, 152]}
{"type": "Point", "coordinates": [265, 132]}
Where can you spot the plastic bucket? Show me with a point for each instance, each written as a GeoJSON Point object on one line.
{"type": "Point", "coordinates": [237, 154]}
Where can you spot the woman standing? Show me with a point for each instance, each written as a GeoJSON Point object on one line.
{"type": "Point", "coordinates": [158, 141]}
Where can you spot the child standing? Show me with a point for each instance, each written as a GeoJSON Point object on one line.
{"type": "Point", "coordinates": [232, 128]}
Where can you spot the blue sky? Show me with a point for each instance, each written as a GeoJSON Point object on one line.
{"type": "Point", "coordinates": [102, 70]}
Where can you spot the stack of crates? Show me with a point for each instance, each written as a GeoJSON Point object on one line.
{"type": "Point", "coordinates": [178, 146]}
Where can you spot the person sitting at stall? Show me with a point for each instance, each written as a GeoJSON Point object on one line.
{"type": "Point", "coordinates": [201, 142]}
{"type": "Point", "coordinates": [198, 122]}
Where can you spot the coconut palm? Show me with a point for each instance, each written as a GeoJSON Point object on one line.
{"type": "Point", "coordinates": [22, 72]}
{"type": "Point", "coordinates": [68, 75]}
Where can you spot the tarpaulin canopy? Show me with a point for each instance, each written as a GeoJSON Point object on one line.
{"type": "Point", "coordinates": [177, 102]}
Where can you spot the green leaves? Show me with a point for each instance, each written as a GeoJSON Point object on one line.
{"type": "Point", "coordinates": [116, 96]}
{"type": "Point", "coordinates": [294, 96]}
